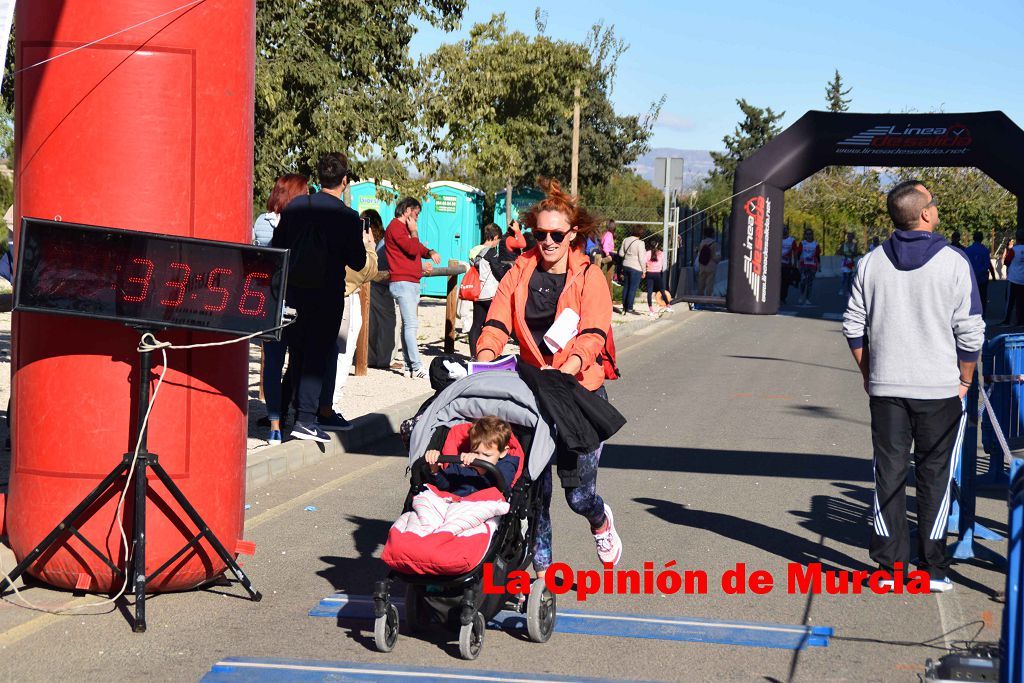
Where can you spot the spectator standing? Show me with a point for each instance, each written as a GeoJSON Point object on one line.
{"type": "Point", "coordinates": [849, 251]}
{"type": "Point", "coordinates": [351, 322]}
{"type": "Point", "coordinates": [511, 246]}
{"type": "Point", "coordinates": [382, 304]}
{"type": "Point", "coordinates": [707, 258]}
{"type": "Point", "coordinates": [325, 237]}
{"type": "Point", "coordinates": [654, 268]}
{"type": "Point", "coordinates": [286, 189]}
{"type": "Point", "coordinates": [1014, 261]}
{"type": "Point", "coordinates": [790, 274]}
{"type": "Point", "coordinates": [955, 241]}
{"type": "Point", "coordinates": [981, 262]}
{"type": "Point", "coordinates": [633, 253]}
{"type": "Point", "coordinates": [918, 299]}
{"type": "Point", "coordinates": [808, 257]}
{"type": "Point", "coordinates": [405, 253]}
{"type": "Point", "coordinates": [488, 264]}
{"type": "Point", "coordinates": [874, 244]}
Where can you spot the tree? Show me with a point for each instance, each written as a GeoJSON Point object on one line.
{"type": "Point", "coordinates": [625, 196]}
{"type": "Point", "coordinates": [753, 132]}
{"type": "Point", "coordinates": [512, 98]}
{"type": "Point", "coordinates": [337, 76]}
{"type": "Point", "coordinates": [835, 96]}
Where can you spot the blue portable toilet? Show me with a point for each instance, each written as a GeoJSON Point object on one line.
{"type": "Point", "coordinates": [450, 224]}
{"type": "Point", "coordinates": [522, 198]}
{"type": "Point", "coordinates": [364, 196]}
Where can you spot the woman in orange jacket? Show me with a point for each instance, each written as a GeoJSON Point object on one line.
{"type": "Point", "coordinates": [543, 283]}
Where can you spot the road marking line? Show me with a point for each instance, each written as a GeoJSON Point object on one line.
{"type": "Point", "coordinates": [278, 510]}
{"type": "Point", "coordinates": [410, 672]}
{"type": "Point", "coordinates": [36, 624]}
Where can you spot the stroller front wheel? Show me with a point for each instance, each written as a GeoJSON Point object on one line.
{"type": "Point", "coordinates": [385, 629]}
{"type": "Point", "coordinates": [471, 637]}
{"type": "Point", "coordinates": [540, 612]}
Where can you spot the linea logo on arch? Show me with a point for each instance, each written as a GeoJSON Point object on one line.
{"type": "Point", "coordinates": [759, 217]}
{"type": "Point", "coordinates": [894, 139]}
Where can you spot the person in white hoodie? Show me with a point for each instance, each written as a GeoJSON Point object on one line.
{"type": "Point", "coordinates": [914, 326]}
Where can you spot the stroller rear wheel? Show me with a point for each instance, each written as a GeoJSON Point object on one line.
{"type": "Point", "coordinates": [540, 612]}
{"type": "Point", "coordinates": [471, 637]}
{"type": "Point", "coordinates": [385, 629]}
{"type": "Point", "coordinates": [417, 611]}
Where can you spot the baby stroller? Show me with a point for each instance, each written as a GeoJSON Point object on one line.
{"type": "Point", "coordinates": [459, 600]}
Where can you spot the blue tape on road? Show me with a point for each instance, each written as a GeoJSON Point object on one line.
{"type": "Point", "coordinates": [751, 634]}
{"type": "Point", "coordinates": [240, 669]}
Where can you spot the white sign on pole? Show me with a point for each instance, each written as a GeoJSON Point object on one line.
{"type": "Point", "coordinates": [6, 19]}
{"type": "Point", "coordinates": [674, 178]}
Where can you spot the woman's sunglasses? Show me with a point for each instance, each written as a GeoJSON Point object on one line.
{"type": "Point", "coordinates": [556, 236]}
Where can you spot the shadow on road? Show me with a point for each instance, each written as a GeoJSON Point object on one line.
{"type": "Point", "coordinates": [745, 463]}
{"type": "Point", "coordinates": [770, 539]}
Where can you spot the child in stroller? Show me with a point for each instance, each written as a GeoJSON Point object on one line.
{"type": "Point", "coordinates": [442, 561]}
{"type": "Point", "coordinates": [489, 439]}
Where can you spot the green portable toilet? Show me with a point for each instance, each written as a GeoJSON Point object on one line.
{"type": "Point", "coordinates": [364, 196]}
{"type": "Point", "coordinates": [522, 198]}
{"type": "Point", "coordinates": [450, 223]}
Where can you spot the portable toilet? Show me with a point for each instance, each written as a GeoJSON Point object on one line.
{"type": "Point", "coordinates": [364, 196]}
{"type": "Point", "coordinates": [522, 198]}
{"type": "Point", "coordinates": [450, 223]}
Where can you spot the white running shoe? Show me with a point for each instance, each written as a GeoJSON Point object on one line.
{"type": "Point", "coordinates": [609, 545]}
{"type": "Point", "coordinates": [940, 585]}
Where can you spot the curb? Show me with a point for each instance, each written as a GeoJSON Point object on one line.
{"type": "Point", "coordinates": [268, 464]}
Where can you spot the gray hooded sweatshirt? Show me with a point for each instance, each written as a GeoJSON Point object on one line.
{"type": "Point", "coordinates": [917, 302]}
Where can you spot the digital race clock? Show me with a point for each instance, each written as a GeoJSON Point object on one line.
{"type": "Point", "coordinates": [145, 279]}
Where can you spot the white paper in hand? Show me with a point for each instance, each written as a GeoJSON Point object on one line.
{"type": "Point", "coordinates": [562, 331]}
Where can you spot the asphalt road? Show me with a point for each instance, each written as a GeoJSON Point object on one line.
{"type": "Point", "coordinates": [748, 442]}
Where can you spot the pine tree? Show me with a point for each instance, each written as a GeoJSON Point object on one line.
{"type": "Point", "coordinates": [835, 96]}
{"type": "Point", "coordinates": [753, 132]}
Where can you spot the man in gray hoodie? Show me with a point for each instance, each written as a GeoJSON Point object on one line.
{"type": "Point", "coordinates": [917, 302]}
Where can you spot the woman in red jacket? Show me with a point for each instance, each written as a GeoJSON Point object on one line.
{"type": "Point", "coordinates": [544, 283]}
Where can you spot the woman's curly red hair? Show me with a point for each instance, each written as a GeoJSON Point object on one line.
{"type": "Point", "coordinates": [556, 199]}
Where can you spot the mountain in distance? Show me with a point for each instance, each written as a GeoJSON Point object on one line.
{"type": "Point", "coordinates": [697, 164]}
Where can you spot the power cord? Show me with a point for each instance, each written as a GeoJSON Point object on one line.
{"type": "Point", "coordinates": [144, 346]}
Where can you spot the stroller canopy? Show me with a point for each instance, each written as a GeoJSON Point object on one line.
{"type": "Point", "coordinates": [499, 393]}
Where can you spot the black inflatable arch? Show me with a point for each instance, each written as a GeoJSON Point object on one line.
{"type": "Point", "coordinates": [989, 141]}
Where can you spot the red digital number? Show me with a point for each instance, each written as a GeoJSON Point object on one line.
{"type": "Point", "coordinates": [214, 275]}
{"type": "Point", "coordinates": [261, 299]}
{"type": "Point", "coordinates": [178, 284]}
{"type": "Point", "coordinates": [144, 281]}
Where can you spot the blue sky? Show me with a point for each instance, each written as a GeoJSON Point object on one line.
{"type": "Point", "coordinates": [950, 56]}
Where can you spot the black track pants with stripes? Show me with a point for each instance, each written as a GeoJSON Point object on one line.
{"type": "Point", "coordinates": [936, 428]}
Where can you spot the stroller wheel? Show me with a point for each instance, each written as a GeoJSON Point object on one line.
{"type": "Point", "coordinates": [471, 637]}
{"type": "Point", "coordinates": [385, 629]}
{"type": "Point", "coordinates": [417, 611]}
{"type": "Point", "coordinates": [540, 612]}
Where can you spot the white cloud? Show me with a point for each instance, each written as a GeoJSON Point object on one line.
{"type": "Point", "coordinates": [677, 122]}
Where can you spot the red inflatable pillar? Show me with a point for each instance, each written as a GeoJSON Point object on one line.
{"type": "Point", "coordinates": [151, 129]}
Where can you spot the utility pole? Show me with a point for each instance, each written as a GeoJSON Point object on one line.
{"type": "Point", "coordinates": [508, 201]}
{"type": "Point", "coordinates": [575, 142]}
{"type": "Point", "coordinates": [668, 172]}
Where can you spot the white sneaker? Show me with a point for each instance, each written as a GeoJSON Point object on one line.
{"type": "Point", "coordinates": [609, 545]}
{"type": "Point", "coordinates": [940, 585]}
{"type": "Point", "coordinates": [888, 584]}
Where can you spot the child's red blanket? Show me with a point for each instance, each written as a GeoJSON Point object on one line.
{"type": "Point", "coordinates": [444, 534]}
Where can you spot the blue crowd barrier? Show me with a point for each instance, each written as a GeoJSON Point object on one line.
{"type": "Point", "coordinates": [1002, 364]}
{"type": "Point", "coordinates": [1011, 646]}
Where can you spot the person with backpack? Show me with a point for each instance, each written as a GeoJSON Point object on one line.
{"type": "Point", "coordinates": [708, 258]}
{"type": "Point", "coordinates": [557, 282]}
{"type": "Point", "coordinates": [491, 269]}
{"type": "Point", "coordinates": [633, 253]}
{"type": "Point", "coordinates": [324, 237]}
{"type": "Point", "coordinates": [808, 258]}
